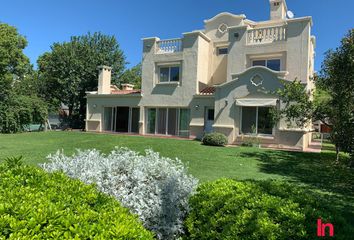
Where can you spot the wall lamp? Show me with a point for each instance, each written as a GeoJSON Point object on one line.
{"type": "Point", "coordinates": [94, 105]}
{"type": "Point", "coordinates": [197, 107]}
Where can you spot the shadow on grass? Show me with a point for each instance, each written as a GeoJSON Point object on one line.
{"type": "Point", "coordinates": [317, 170]}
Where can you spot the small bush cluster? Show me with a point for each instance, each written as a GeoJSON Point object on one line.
{"type": "Point", "coordinates": [214, 139]}
{"type": "Point", "coordinates": [155, 188]}
{"type": "Point", "coordinates": [229, 209]}
{"type": "Point", "coordinates": [38, 205]}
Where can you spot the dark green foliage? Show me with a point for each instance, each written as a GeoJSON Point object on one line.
{"type": "Point", "coordinates": [13, 63]}
{"type": "Point", "coordinates": [70, 69]}
{"type": "Point", "coordinates": [214, 139]}
{"type": "Point", "coordinates": [12, 162]}
{"type": "Point", "coordinates": [229, 209]}
{"type": "Point", "coordinates": [19, 111]}
{"type": "Point", "coordinates": [337, 80]}
{"type": "Point", "coordinates": [131, 76]}
{"type": "Point", "coordinates": [20, 104]}
{"type": "Point", "coordinates": [38, 205]}
{"type": "Point", "coordinates": [298, 107]}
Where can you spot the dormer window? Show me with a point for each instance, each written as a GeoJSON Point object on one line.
{"type": "Point", "coordinates": [273, 64]}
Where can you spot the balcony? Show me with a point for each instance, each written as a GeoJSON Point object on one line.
{"type": "Point", "coordinates": [266, 35]}
{"type": "Point", "coordinates": [169, 46]}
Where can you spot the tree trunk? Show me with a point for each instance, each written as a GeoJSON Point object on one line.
{"type": "Point", "coordinates": [337, 153]}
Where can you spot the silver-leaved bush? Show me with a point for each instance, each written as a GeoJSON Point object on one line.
{"type": "Point", "coordinates": [155, 188]}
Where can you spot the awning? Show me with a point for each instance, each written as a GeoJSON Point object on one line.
{"type": "Point", "coordinates": [256, 102]}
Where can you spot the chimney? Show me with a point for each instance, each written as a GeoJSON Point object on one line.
{"type": "Point", "coordinates": [104, 80]}
{"type": "Point", "coordinates": [278, 9]}
{"type": "Point", "coordinates": [127, 86]}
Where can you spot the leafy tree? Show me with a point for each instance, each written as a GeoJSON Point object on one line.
{"type": "Point", "coordinates": [19, 103]}
{"type": "Point", "coordinates": [337, 79]}
{"type": "Point", "coordinates": [132, 76]}
{"type": "Point", "coordinates": [333, 101]}
{"type": "Point", "coordinates": [70, 69]}
{"type": "Point", "coordinates": [13, 62]}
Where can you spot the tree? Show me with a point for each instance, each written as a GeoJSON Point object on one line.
{"type": "Point", "coordinates": [13, 62]}
{"type": "Point", "coordinates": [337, 79]}
{"type": "Point", "coordinates": [132, 76]}
{"type": "Point", "coordinates": [70, 69]}
{"type": "Point", "coordinates": [333, 102]}
{"type": "Point", "coordinates": [19, 103]}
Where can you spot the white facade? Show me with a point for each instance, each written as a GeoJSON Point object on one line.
{"type": "Point", "coordinates": [215, 79]}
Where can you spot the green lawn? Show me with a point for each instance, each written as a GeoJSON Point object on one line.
{"type": "Point", "coordinates": [205, 162]}
{"type": "Point", "coordinates": [313, 170]}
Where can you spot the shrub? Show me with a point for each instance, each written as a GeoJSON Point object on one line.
{"type": "Point", "coordinates": [38, 205]}
{"type": "Point", "coordinates": [155, 188]}
{"type": "Point", "coordinates": [214, 139]}
{"type": "Point", "coordinates": [229, 209]}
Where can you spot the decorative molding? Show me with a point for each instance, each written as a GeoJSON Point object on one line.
{"type": "Point", "coordinates": [257, 80]}
{"type": "Point", "coordinates": [223, 28]}
{"type": "Point", "coordinates": [242, 16]}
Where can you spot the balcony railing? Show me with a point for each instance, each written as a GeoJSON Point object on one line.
{"type": "Point", "coordinates": [266, 35]}
{"type": "Point", "coordinates": [169, 46]}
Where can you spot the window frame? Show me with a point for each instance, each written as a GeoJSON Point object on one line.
{"type": "Point", "coordinates": [178, 115]}
{"type": "Point", "coordinates": [266, 63]}
{"type": "Point", "coordinates": [257, 134]}
{"type": "Point", "coordinates": [169, 80]}
{"type": "Point", "coordinates": [113, 117]}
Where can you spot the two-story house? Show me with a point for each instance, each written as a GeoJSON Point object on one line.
{"type": "Point", "coordinates": [216, 79]}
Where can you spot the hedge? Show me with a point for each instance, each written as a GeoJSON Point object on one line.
{"type": "Point", "coordinates": [39, 205]}
{"type": "Point", "coordinates": [229, 209]}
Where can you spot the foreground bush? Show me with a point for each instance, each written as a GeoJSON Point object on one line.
{"type": "Point", "coordinates": [228, 209]}
{"type": "Point", "coordinates": [214, 139]}
{"type": "Point", "coordinates": [157, 189]}
{"type": "Point", "coordinates": [38, 205]}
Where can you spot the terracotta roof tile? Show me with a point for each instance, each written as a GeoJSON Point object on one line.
{"type": "Point", "coordinates": [122, 92]}
{"type": "Point", "coordinates": [207, 91]}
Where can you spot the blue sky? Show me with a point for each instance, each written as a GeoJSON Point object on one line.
{"type": "Point", "coordinates": [44, 22]}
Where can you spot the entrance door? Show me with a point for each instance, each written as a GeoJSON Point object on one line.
{"type": "Point", "coordinates": [209, 120]}
{"type": "Point", "coordinates": [122, 119]}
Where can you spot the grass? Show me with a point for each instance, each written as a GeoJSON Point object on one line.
{"type": "Point", "coordinates": [206, 163]}
{"type": "Point", "coordinates": [313, 170]}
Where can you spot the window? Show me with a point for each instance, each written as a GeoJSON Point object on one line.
{"type": "Point", "coordinates": [168, 121]}
{"type": "Point", "coordinates": [259, 63]}
{"type": "Point", "coordinates": [223, 51]}
{"type": "Point", "coordinates": [135, 120]}
{"type": "Point", "coordinates": [161, 120]}
{"type": "Point", "coordinates": [151, 118]}
{"type": "Point", "coordinates": [108, 117]}
{"type": "Point", "coordinates": [256, 120]}
{"type": "Point", "coordinates": [169, 74]}
{"type": "Point", "coordinates": [121, 119]}
{"type": "Point", "coordinates": [184, 120]}
{"type": "Point", "coordinates": [273, 64]}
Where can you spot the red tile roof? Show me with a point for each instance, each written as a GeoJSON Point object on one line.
{"type": "Point", "coordinates": [122, 92]}
{"type": "Point", "coordinates": [207, 91]}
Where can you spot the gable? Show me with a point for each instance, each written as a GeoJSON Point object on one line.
{"type": "Point", "coordinates": [216, 27]}
{"type": "Point", "coordinates": [255, 82]}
